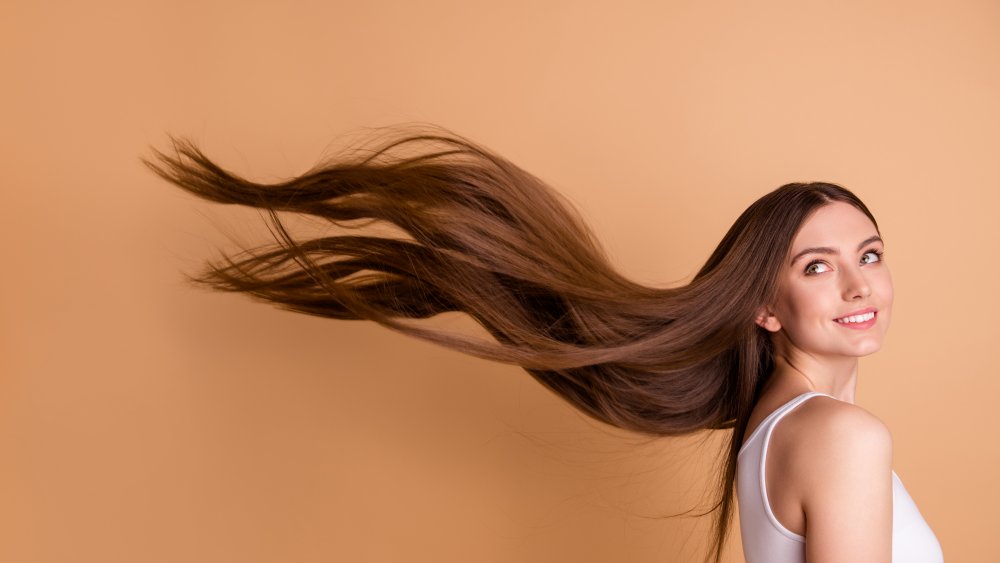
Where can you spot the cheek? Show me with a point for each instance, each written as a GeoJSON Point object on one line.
{"type": "Point", "coordinates": [885, 296]}
{"type": "Point", "coordinates": [804, 305]}
{"type": "Point", "coordinates": [883, 288]}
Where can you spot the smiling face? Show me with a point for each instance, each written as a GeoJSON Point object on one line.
{"type": "Point", "coordinates": [833, 270]}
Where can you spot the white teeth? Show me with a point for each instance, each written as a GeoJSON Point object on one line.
{"type": "Point", "coordinates": [857, 318]}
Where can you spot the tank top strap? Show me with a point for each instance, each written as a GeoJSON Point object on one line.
{"type": "Point", "coordinates": [781, 411]}
{"type": "Point", "coordinates": [800, 399]}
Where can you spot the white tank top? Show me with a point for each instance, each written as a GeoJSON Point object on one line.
{"type": "Point", "coordinates": [765, 540]}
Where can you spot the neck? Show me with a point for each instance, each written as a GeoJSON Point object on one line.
{"type": "Point", "coordinates": [835, 376]}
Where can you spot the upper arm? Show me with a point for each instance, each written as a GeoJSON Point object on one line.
{"type": "Point", "coordinates": [845, 475]}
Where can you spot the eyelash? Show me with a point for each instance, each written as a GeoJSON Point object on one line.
{"type": "Point", "coordinates": [878, 253]}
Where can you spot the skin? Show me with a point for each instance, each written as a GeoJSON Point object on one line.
{"type": "Point", "coordinates": [829, 462]}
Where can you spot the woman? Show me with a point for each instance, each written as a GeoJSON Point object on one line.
{"type": "Point", "coordinates": [830, 462]}
{"type": "Point", "coordinates": [755, 332]}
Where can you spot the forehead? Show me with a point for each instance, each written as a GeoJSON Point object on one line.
{"type": "Point", "coordinates": [835, 224]}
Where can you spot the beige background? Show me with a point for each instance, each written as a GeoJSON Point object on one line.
{"type": "Point", "coordinates": [141, 420]}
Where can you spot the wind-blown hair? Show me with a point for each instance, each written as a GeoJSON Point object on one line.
{"type": "Point", "coordinates": [483, 237]}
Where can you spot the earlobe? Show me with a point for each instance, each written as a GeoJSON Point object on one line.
{"type": "Point", "coordinates": [766, 320]}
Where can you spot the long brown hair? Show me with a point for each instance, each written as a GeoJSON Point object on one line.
{"type": "Point", "coordinates": [479, 235]}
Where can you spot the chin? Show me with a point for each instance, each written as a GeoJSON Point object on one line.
{"type": "Point", "coordinates": [866, 349]}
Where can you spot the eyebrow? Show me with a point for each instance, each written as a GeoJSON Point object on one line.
{"type": "Point", "coordinates": [828, 250]}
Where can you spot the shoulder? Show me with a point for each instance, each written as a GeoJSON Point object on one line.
{"type": "Point", "coordinates": [836, 445]}
{"type": "Point", "coordinates": [841, 427]}
{"type": "Point", "coordinates": [833, 417]}
{"type": "Point", "coordinates": [842, 464]}
{"type": "Point", "coordinates": [823, 430]}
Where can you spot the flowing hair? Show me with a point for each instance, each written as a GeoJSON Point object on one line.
{"type": "Point", "coordinates": [481, 236]}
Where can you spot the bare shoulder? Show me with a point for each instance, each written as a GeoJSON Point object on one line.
{"type": "Point", "coordinates": [824, 433]}
{"type": "Point", "coordinates": [840, 424]}
{"type": "Point", "coordinates": [819, 437]}
{"type": "Point", "coordinates": [842, 466]}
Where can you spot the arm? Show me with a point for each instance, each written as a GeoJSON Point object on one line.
{"type": "Point", "coordinates": [845, 467]}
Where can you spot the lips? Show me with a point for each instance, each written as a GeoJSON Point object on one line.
{"type": "Point", "coordinates": [862, 319]}
{"type": "Point", "coordinates": [857, 313]}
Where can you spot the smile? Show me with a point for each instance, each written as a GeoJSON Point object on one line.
{"type": "Point", "coordinates": [857, 318]}
{"type": "Point", "coordinates": [862, 321]}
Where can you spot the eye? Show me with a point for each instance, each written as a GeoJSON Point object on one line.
{"type": "Point", "coordinates": [872, 255]}
{"type": "Point", "coordinates": [869, 257]}
{"type": "Point", "coordinates": [811, 268]}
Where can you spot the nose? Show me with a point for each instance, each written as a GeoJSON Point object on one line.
{"type": "Point", "coordinates": [855, 284]}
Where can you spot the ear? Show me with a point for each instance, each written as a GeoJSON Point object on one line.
{"type": "Point", "coordinates": [766, 319]}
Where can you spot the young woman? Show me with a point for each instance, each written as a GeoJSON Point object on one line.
{"type": "Point", "coordinates": [769, 330]}
{"type": "Point", "coordinates": [820, 487]}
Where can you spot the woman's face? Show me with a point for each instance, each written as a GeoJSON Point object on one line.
{"type": "Point", "coordinates": [834, 289]}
